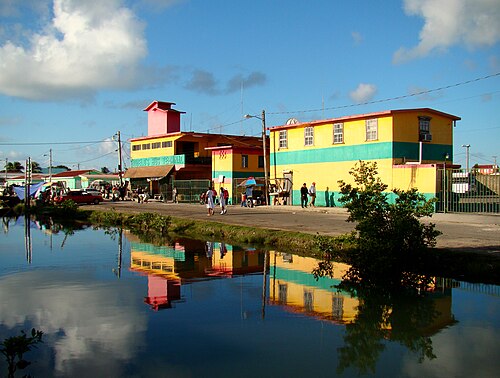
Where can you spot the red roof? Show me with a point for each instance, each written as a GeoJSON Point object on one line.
{"type": "Point", "coordinates": [74, 173]}
{"type": "Point", "coordinates": [362, 116]}
{"type": "Point", "coordinates": [162, 105]}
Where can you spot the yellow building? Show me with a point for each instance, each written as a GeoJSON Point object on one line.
{"type": "Point", "coordinates": [409, 146]}
{"type": "Point", "coordinates": [231, 163]}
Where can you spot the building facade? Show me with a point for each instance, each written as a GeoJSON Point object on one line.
{"type": "Point", "coordinates": [167, 154]}
{"type": "Point", "coordinates": [408, 145]}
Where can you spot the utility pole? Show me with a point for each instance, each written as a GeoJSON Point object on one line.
{"type": "Point", "coordinates": [265, 155]}
{"type": "Point", "coordinates": [467, 146]}
{"type": "Point", "coordinates": [50, 165]}
{"type": "Point", "coordinates": [119, 158]}
{"type": "Point", "coordinates": [27, 183]}
{"type": "Point", "coordinates": [263, 119]}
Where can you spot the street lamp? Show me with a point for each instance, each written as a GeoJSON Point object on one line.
{"type": "Point", "coordinates": [467, 146]}
{"type": "Point", "coordinates": [263, 119]}
{"type": "Point", "coordinates": [445, 188]}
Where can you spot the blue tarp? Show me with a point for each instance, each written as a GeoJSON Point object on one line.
{"type": "Point", "coordinates": [21, 190]}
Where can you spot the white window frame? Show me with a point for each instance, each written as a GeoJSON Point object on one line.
{"type": "Point", "coordinates": [338, 133]}
{"type": "Point", "coordinates": [283, 139]}
{"type": "Point", "coordinates": [309, 136]}
{"type": "Point", "coordinates": [424, 125]}
{"type": "Point", "coordinates": [244, 161]}
{"type": "Point", "coordinates": [371, 126]}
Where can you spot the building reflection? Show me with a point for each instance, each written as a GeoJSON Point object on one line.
{"type": "Point", "coordinates": [170, 267]}
{"type": "Point", "coordinates": [293, 287]}
{"type": "Point", "coordinates": [291, 284]}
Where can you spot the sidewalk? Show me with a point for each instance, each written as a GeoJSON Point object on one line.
{"type": "Point", "coordinates": [460, 231]}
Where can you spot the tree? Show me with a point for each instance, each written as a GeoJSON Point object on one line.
{"type": "Point", "coordinates": [35, 167]}
{"type": "Point", "coordinates": [14, 347]}
{"type": "Point", "coordinates": [105, 170]}
{"type": "Point", "coordinates": [387, 255]}
{"type": "Point", "coordinates": [14, 166]}
{"type": "Point", "coordinates": [63, 167]}
{"type": "Point", "coordinates": [390, 236]}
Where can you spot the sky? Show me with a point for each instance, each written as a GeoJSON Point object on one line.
{"type": "Point", "coordinates": [74, 73]}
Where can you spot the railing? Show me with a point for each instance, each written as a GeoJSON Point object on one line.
{"type": "Point", "coordinates": [468, 191]}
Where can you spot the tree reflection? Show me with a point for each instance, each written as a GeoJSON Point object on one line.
{"type": "Point", "coordinates": [393, 306]}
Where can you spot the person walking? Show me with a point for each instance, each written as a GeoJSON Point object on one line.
{"type": "Point", "coordinates": [312, 194]}
{"type": "Point", "coordinates": [174, 195]}
{"type": "Point", "coordinates": [209, 195]}
{"type": "Point", "coordinates": [303, 195]}
{"type": "Point", "coordinates": [222, 199]}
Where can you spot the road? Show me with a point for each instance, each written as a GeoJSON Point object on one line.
{"type": "Point", "coordinates": [460, 231]}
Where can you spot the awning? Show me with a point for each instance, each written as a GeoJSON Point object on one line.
{"type": "Point", "coordinates": [156, 172]}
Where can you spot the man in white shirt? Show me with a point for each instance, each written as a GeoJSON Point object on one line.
{"type": "Point", "coordinates": [312, 194]}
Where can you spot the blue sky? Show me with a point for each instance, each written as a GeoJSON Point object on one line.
{"type": "Point", "coordinates": [74, 72]}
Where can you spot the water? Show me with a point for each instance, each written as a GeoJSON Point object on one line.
{"type": "Point", "coordinates": [110, 305]}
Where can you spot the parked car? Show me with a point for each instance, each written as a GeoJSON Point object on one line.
{"type": "Point", "coordinates": [94, 192]}
{"type": "Point", "coordinates": [79, 196]}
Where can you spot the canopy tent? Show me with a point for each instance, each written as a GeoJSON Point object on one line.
{"type": "Point", "coordinates": [250, 182]}
{"type": "Point", "coordinates": [156, 172]}
{"type": "Point", "coordinates": [21, 190]}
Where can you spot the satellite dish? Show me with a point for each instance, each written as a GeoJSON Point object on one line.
{"type": "Point", "coordinates": [292, 121]}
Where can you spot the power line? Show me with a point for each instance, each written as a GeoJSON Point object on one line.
{"type": "Point", "coordinates": [392, 98]}
{"type": "Point", "coordinates": [51, 143]}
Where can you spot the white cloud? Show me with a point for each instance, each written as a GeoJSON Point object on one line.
{"type": "Point", "coordinates": [86, 46]}
{"type": "Point", "coordinates": [364, 92]}
{"type": "Point", "coordinates": [473, 23]}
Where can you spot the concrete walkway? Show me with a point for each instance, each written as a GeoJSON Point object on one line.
{"type": "Point", "coordinates": [460, 231]}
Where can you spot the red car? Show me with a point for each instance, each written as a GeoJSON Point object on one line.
{"type": "Point", "coordinates": [79, 196]}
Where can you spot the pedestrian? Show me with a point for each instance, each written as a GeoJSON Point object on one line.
{"type": "Point", "coordinates": [209, 195]}
{"type": "Point", "coordinates": [174, 195]}
{"type": "Point", "coordinates": [222, 201]}
{"type": "Point", "coordinates": [303, 195]}
{"type": "Point", "coordinates": [139, 194]}
{"type": "Point", "coordinates": [312, 194]}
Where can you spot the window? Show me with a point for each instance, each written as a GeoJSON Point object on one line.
{"type": "Point", "coordinates": [371, 129]}
{"type": "Point", "coordinates": [136, 147]}
{"type": "Point", "coordinates": [338, 133]}
{"type": "Point", "coordinates": [309, 136]}
{"type": "Point", "coordinates": [244, 161]}
{"type": "Point", "coordinates": [166, 144]}
{"type": "Point", "coordinates": [155, 145]}
{"type": "Point", "coordinates": [424, 125]}
{"type": "Point", "coordinates": [261, 161]}
{"type": "Point", "coordinates": [283, 138]}
{"type": "Point", "coordinates": [146, 146]}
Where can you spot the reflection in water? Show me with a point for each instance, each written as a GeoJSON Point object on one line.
{"type": "Point", "coordinates": [393, 305]}
{"type": "Point", "coordinates": [371, 316]}
{"type": "Point", "coordinates": [168, 268]}
{"type": "Point", "coordinates": [93, 320]}
{"type": "Point", "coordinates": [82, 321]}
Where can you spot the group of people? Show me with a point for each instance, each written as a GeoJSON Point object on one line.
{"type": "Point", "coordinates": [308, 195]}
{"type": "Point", "coordinates": [210, 197]}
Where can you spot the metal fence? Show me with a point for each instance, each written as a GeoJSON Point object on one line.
{"type": "Point", "coordinates": [471, 191]}
{"type": "Point", "coordinates": [188, 191]}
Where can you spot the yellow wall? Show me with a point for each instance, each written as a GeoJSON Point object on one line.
{"type": "Point", "coordinates": [406, 127]}
{"type": "Point", "coordinates": [322, 295]}
{"type": "Point", "coordinates": [167, 151]}
{"type": "Point", "coordinates": [423, 178]}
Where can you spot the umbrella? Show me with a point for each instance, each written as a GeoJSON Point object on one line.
{"type": "Point", "coordinates": [248, 182]}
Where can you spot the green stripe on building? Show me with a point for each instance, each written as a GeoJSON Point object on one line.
{"type": "Point", "coordinates": [368, 151]}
